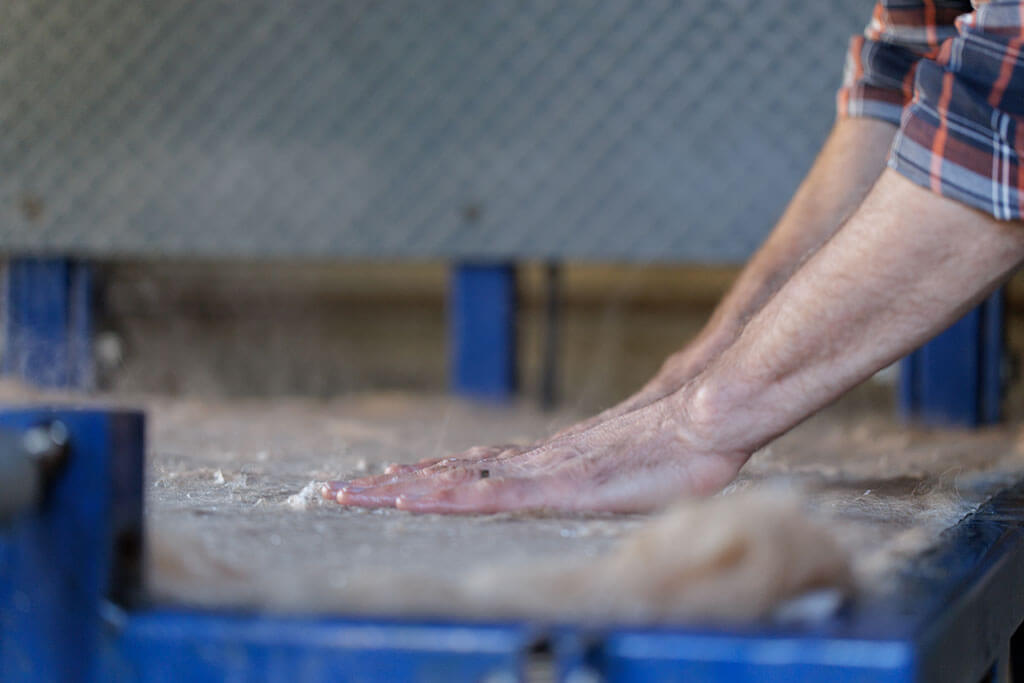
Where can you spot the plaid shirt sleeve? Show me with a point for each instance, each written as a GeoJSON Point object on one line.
{"type": "Point", "coordinates": [880, 65]}
{"type": "Point", "coordinates": [953, 79]}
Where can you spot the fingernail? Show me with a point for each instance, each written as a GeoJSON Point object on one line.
{"type": "Point", "coordinates": [350, 496]}
{"type": "Point", "coordinates": [329, 489]}
{"type": "Point", "coordinates": [408, 498]}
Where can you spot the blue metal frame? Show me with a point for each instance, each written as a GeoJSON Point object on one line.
{"type": "Point", "coordinates": [61, 562]}
{"type": "Point", "coordinates": [70, 609]}
{"type": "Point", "coordinates": [482, 318]}
{"type": "Point", "coordinates": [158, 646]}
{"type": "Point", "coordinates": [956, 378]}
{"type": "Point", "coordinates": [48, 322]}
{"type": "Point", "coordinates": [950, 619]}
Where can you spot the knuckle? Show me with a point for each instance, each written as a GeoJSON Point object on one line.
{"type": "Point", "coordinates": [489, 486]}
{"type": "Point", "coordinates": [454, 475]}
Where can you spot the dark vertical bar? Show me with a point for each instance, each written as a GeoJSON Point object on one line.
{"type": "Point", "coordinates": [909, 389]}
{"type": "Point", "coordinates": [1017, 654]}
{"type": "Point", "coordinates": [992, 353]}
{"type": "Point", "coordinates": [482, 314]}
{"type": "Point", "coordinates": [956, 378]}
{"type": "Point", "coordinates": [81, 373]}
{"type": "Point", "coordinates": [552, 322]}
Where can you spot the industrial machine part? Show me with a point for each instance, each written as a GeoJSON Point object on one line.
{"type": "Point", "coordinates": [27, 460]}
{"type": "Point", "coordinates": [70, 608]}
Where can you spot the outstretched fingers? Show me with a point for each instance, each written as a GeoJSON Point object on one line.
{"type": "Point", "coordinates": [330, 489]}
{"type": "Point", "coordinates": [398, 474]}
{"type": "Point", "coordinates": [425, 483]}
{"type": "Point", "coordinates": [486, 496]}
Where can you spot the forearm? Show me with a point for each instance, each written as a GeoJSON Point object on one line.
{"type": "Point", "coordinates": [906, 265]}
{"type": "Point", "coordinates": [848, 165]}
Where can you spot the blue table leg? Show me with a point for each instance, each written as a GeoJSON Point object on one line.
{"type": "Point", "coordinates": [956, 378]}
{"type": "Point", "coordinates": [48, 322]}
{"type": "Point", "coordinates": [82, 545]}
{"type": "Point", "coordinates": [482, 318]}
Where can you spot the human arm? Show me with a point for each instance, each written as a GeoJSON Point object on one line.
{"type": "Point", "coordinates": [877, 84]}
{"type": "Point", "coordinates": [849, 162]}
{"type": "Point", "coordinates": [905, 265]}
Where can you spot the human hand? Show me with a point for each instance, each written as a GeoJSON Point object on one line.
{"type": "Point", "coordinates": [639, 461]}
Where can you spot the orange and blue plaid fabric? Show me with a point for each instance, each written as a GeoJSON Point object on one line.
{"type": "Point", "coordinates": [950, 73]}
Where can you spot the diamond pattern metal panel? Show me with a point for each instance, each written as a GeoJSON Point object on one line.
{"type": "Point", "coordinates": [642, 130]}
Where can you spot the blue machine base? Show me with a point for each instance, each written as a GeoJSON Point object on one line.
{"type": "Point", "coordinates": [62, 563]}
{"type": "Point", "coordinates": [70, 609]}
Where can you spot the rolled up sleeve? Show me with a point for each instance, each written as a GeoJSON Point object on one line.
{"type": "Point", "coordinates": [962, 133]}
{"type": "Point", "coordinates": [878, 81]}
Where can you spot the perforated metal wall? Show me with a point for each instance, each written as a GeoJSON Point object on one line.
{"type": "Point", "coordinates": [586, 129]}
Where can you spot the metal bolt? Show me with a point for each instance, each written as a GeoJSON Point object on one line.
{"type": "Point", "coordinates": [47, 443]}
{"type": "Point", "coordinates": [27, 461]}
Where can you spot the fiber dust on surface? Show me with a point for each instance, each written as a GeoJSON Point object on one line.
{"type": "Point", "coordinates": [234, 519]}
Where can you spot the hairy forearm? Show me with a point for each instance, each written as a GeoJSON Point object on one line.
{"type": "Point", "coordinates": [849, 163]}
{"type": "Point", "coordinates": [906, 265]}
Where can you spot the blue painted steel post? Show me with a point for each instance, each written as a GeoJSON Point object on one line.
{"type": "Point", "coordinates": [48, 322]}
{"type": "Point", "coordinates": [80, 546]}
{"type": "Point", "coordinates": [956, 378]}
{"type": "Point", "coordinates": [482, 319]}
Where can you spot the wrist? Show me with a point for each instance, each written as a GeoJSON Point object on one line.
{"type": "Point", "coordinates": [718, 416]}
{"type": "Point", "coordinates": [698, 408]}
